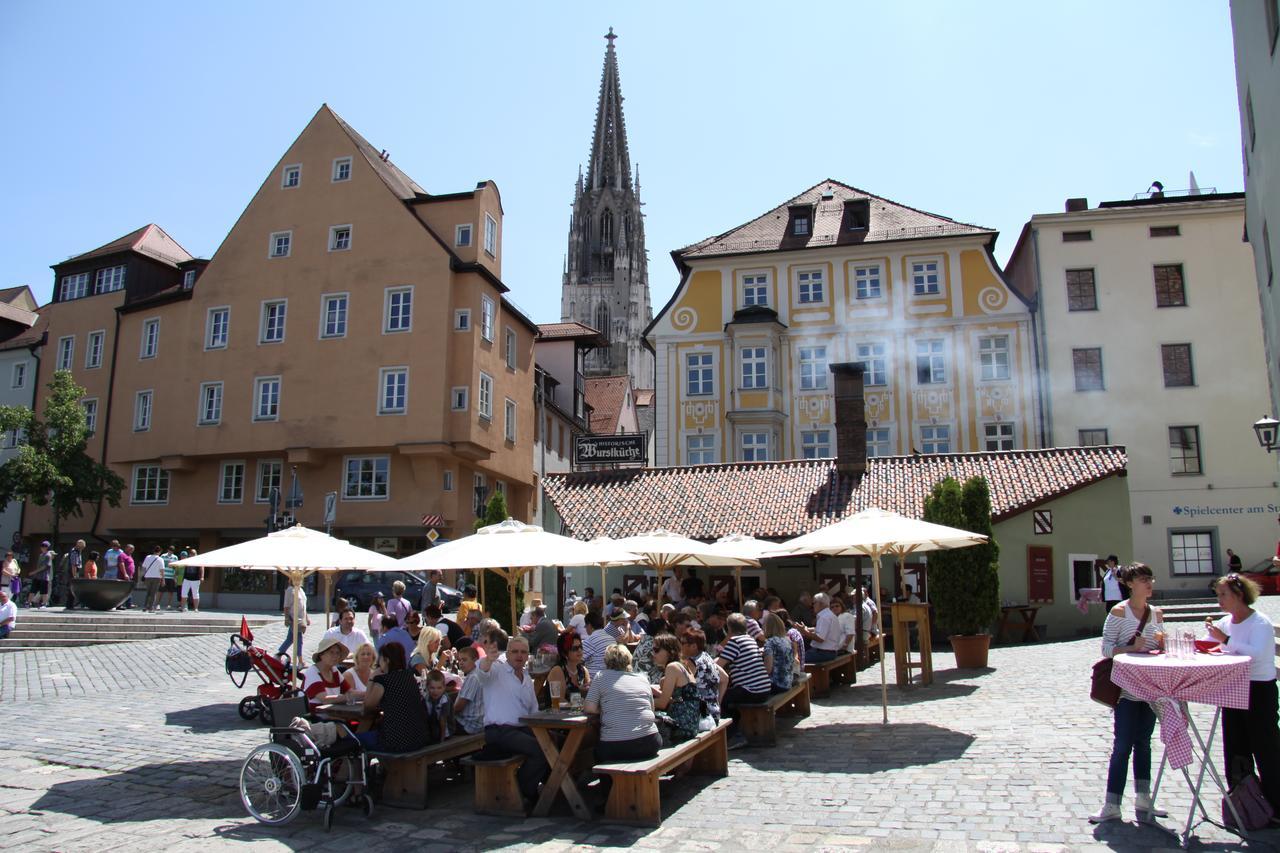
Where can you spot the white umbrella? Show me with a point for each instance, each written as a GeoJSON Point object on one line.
{"type": "Point", "coordinates": [873, 533]}
{"type": "Point", "coordinates": [743, 547]}
{"type": "Point", "coordinates": [662, 549]}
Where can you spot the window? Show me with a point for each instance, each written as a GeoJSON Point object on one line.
{"type": "Point", "coordinates": [75, 286]}
{"type": "Point", "coordinates": [333, 315]}
{"type": "Point", "coordinates": [150, 338]}
{"type": "Point", "coordinates": [811, 287]}
{"type": "Point", "coordinates": [931, 362]}
{"type": "Point", "coordinates": [66, 352]}
{"type": "Point", "coordinates": [875, 363]}
{"type": "Point", "coordinates": [210, 404]}
{"type": "Point", "coordinates": [1170, 292]}
{"type": "Point", "coordinates": [935, 439]}
{"type": "Point", "coordinates": [509, 420]}
{"type": "Point", "coordinates": [1087, 363]}
{"type": "Point", "coordinates": [19, 375]}
{"type": "Point", "coordinates": [490, 236]}
{"type": "Point", "coordinates": [484, 399]}
{"type": "Point", "coordinates": [1077, 236]}
{"type": "Point", "coordinates": [150, 485]}
{"type": "Point", "coordinates": [393, 383]}
{"type": "Point", "coordinates": [216, 325]}
{"type": "Point", "coordinates": [993, 357]}
{"type": "Point", "coordinates": [273, 316]}
{"type": "Point", "coordinates": [816, 443]}
{"type": "Point", "coordinates": [142, 411]}
{"type": "Point", "coordinates": [188, 279]}
{"type": "Point", "coordinates": [879, 442]}
{"type": "Point", "coordinates": [1082, 292]}
{"type": "Point", "coordinates": [462, 236]}
{"type": "Point", "coordinates": [462, 320]}
{"type": "Point", "coordinates": [755, 290]}
{"type": "Point", "coordinates": [291, 177]}
{"type": "Point", "coordinates": [486, 318]}
{"type": "Point", "coordinates": [231, 486]}
{"type": "Point", "coordinates": [755, 446]}
{"type": "Point", "coordinates": [279, 245]}
{"type": "Point", "coordinates": [397, 313]}
{"type": "Point", "coordinates": [509, 349]}
{"type": "Point", "coordinates": [924, 278]}
{"type": "Point", "coordinates": [458, 398]}
{"type": "Point", "coordinates": [1165, 231]}
{"type": "Point", "coordinates": [700, 449]}
{"type": "Point", "coordinates": [447, 483]}
{"type": "Point", "coordinates": [1176, 361]}
{"type": "Point", "coordinates": [93, 349]}
{"type": "Point", "coordinates": [342, 169]}
{"type": "Point", "coordinates": [698, 374]}
{"type": "Point", "coordinates": [266, 398]}
{"type": "Point", "coordinates": [1191, 552]}
{"type": "Point", "coordinates": [1184, 450]}
{"type": "Point", "coordinates": [813, 368]}
{"type": "Point", "coordinates": [754, 363]}
{"type": "Point", "coordinates": [10, 439]}
{"type": "Point", "coordinates": [998, 436]}
{"type": "Point", "coordinates": [867, 281]}
{"type": "Point", "coordinates": [367, 478]}
{"type": "Point", "coordinates": [800, 225]}
{"type": "Point", "coordinates": [270, 476]}
{"type": "Point", "coordinates": [1096, 437]}
{"type": "Point", "coordinates": [500, 488]}
{"type": "Point", "coordinates": [339, 238]}
{"type": "Point", "coordinates": [109, 280]}
{"type": "Point", "coordinates": [90, 415]}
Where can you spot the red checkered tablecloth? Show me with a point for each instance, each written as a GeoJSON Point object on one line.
{"type": "Point", "coordinates": [1221, 680]}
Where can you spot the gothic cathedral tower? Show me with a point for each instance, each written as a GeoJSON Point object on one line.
{"type": "Point", "coordinates": [606, 278]}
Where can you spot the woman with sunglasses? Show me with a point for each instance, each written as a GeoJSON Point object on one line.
{"type": "Point", "coordinates": [570, 673]}
{"type": "Point", "coordinates": [1249, 737]}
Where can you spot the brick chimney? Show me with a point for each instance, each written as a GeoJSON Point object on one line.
{"type": "Point", "coordinates": [851, 420]}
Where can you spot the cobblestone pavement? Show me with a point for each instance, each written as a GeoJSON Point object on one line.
{"type": "Point", "coordinates": [138, 748]}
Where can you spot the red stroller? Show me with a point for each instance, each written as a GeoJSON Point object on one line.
{"type": "Point", "coordinates": [275, 674]}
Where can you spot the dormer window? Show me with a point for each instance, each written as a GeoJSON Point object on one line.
{"type": "Point", "coordinates": [857, 214]}
{"type": "Point", "coordinates": [801, 224]}
{"type": "Point", "coordinates": [188, 279]}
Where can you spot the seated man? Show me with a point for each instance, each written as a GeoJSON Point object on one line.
{"type": "Point", "coordinates": [508, 696]}
{"type": "Point", "coordinates": [346, 632]}
{"type": "Point", "coordinates": [8, 613]}
{"type": "Point", "coordinates": [826, 636]}
{"type": "Point", "coordinates": [542, 631]}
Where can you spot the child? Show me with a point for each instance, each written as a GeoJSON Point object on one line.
{"type": "Point", "coordinates": [439, 710]}
{"type": "Point", "coordinates": [91, 565]}
{"type": "Point", "coordinates": [468, 708]}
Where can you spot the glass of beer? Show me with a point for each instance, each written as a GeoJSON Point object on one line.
{"type": "Point", "coordinates": [557, 691]}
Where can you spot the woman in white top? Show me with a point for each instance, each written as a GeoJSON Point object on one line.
{"type": "Point", "coordinates": [579, 621]}
{"type": "Point", "coordinates": [1250, 736]}
{"type": "Point", "coordinates": [1134, 719]}
{"type": "Point", "coordinates": [356, 681]}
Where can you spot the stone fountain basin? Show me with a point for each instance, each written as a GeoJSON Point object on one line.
{"type": "Point", "coordinates": [101, 594]}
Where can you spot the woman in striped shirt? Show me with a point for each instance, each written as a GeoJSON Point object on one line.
{"type": "Point", "coordinates": [748, 681]}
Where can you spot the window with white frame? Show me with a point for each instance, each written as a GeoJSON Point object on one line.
{"type": "Point", "coordinates": [935, 439]}
{"type": "Point", "coordinates": [998, 436]}
{"type": "Point", "coordinates": [74, 286]}
{"type": "Point", "coordinates": [291, 177]}
{"type": "Point", "coordinates": [931, 362]}
{"type": "Point", "coordinates": [867, 281]}
{"type": "Point", "coordinates": [273, 317]}
{"type": "Point", "coordinates": [150, 485]}
{"type": "Point", "coordinates": [93, 349]}
{"type": "Point", "coordinates": [993, 357]}
{"type": "Point", "coordinates": [231, 483]}
{"type": "Point", "coordinates": [462, 235]}
{"type": "Point", "coordinates": [1191, 552]}
{"type": "Point", "coordinates": [280, 243]}
{"type": "Point", "coordinates": [339, 238]}
{"type": "Point", "coordinates": [754, 446]}
{"type": "Point", "coordinates": [816, 443]}
{"type": "Point", "coordinates": [700, 449]}
{"type": "Point", "coordinates": [925, 278]}
{"type": "Point", "coordinates": [447, 484]}
{"type": "Point", "coordinates": [699, 375]}
{"type": "Point", "coordinates": [270, 476]}
{"type": "Point", "coordinates": [333, 315]}
{"type": "Point", "coordinates": [66, 352]}
{"type": "Point", "coordinates": [342, 169]}
{"type": "Point", "coordinates": [188, 279]}
{"type": "Point", "coordinates": [755, 289]}
{"type": "Point", "coordinates": [150, 344]}
{"type": "Point", "coordinates": [109, 279]}
{"type": "Point", "coordinates": [462, 320]}
{"type": "Point", "coordinates": [217, 323]}
{"type": "Point", "coordinates": [875, 363]}
{"type": "Point", "coordinates": [367, 478]}
{"type": "Point", "coordinates": [813, 368]}
{"type": "Point", "coordinates": [10, 439]}
{"type": "Point", "coordinates": [509, 420]}
{"type": "Point", "coordinates": [810, 286]}
{"type": "Point", "coordinates": [266, 398]}
{"type": "Point", "coordinates": [90, 415]}
{"type": "Point", "coordinates": [879, 442]}
{"type": "Point", "coordinates": [484, 397]}
{"type": "Point", "coordinates": [509, 348]}
{"type": "Point", "coordinates": [755, 372]}
{"type": "Point", "coordinates": [490, 236]}
{"type": "Point", "coordinates": [486, 318]}
{"type": "Point", "coordinates": [458, 398]}
{"type": "Point", "coordinates": [393, 396]}
{"type": "Point", "coordinates": [210, 404]}
{"type": "Point", "coordinates": [142, 411]}
{"type": "Point", "coordinates": [19, 375]}
{"type": "Point", "coordinates": [397, 309]}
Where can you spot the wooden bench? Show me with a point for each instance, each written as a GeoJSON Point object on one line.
{"type": "Point", "coordinates": [497, 791]}
{"type": "Point", "coordinates": [841, 670]}
{"type": "Point", "coordinates": [758, 721]}
{"type": "Point", "coordinates": [405, 786]}
{"type": "Point", "coordinates": [634, 797]}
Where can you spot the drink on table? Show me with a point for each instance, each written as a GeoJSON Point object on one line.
{"type": "Point", "coordinates": [557, 688]}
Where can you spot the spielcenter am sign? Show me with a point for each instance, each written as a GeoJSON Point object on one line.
{"type": "Point", "coordinates": [625, 449]}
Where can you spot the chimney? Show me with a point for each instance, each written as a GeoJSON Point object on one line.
{"type": "Point", "coordinates": [1075, 205]}
{"type": "Point", "coordinates": [851, 420]}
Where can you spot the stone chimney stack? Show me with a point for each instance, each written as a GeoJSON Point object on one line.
{"type": "Point", "coordinates": [851, 420]}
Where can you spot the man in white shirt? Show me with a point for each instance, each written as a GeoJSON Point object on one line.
{"type": "Point", "coordinates": [826, 633]}
{"type": "Point", "coordinates": [671, 589]}
{"type": "Point", "coordinates": [295, 599]}
{"type": "Point", "coordinates": [152, 572]}
{"type": "Point", "coordinates": [346, 632]}
{"type": "Point", "coordinates": [508, 696]}
{"type": "Point", "coordinates": [8, 614]}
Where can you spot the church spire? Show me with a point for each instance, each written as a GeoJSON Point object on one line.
{"type": "Point", "coordinates": [610, 164]}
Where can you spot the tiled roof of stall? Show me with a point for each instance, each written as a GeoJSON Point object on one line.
{"type": "Point", "coordinates": [605, 395]}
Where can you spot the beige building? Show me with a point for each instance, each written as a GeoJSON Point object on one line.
{"type": "Point", "coordinates": [1148, 337]}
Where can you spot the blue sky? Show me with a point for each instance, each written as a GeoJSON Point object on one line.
{"type": "Point", "coordinates": [119, 114]}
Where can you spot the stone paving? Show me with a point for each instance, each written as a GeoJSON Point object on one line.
{"type": "Point", "coordinates": [138, 748]}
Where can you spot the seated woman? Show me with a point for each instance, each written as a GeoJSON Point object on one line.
{"type": "Point", "coordinates": [395, 692]}
{"type": "Point", "coordinates": [356, 680]}
{"type": "Point", "coordinates": [779, 656]}
{"type": "Point", "coordinates": [749, 683]}
{"type": "Point", "coordinates": [570, 671]}
{"type": "Point", "coordinates": [321, 681]}
{"type": "Point", "coordinates": [676, 696]}
{"type": "Point", "coordinates": [427, 650]}
{"type": "Point", "coordinates": [642, 657]}
{"type": "Point", "coordinates": [709, 677]}
{"type": "Point", "coordinates": [794, 635]}
{"type": "Point", "coordinates": [624, 701]}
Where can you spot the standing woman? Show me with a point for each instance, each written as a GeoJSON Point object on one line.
{"type": "Point", "coordinates": [399, 606]}
{"type": "Point", "coordinates": [377, 610]}
{"type": "Point", "coordinates": [1131, 627]}
{"type": "Point", "coordinates": [1113, 591]}
{"type": "Point", "coordinates": [1250, 737]}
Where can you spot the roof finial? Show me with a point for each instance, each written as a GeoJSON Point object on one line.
{"type": "Point", "coordinates": [610, 37]}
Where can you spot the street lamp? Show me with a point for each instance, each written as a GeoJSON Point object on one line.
{"type": "Point", "coordinates": [1267, 428]}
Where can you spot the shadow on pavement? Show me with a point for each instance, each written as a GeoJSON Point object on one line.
{"type": "Point", "coordinates": [218, 717]}
{"type": "Point", "coordinates": [1129, 835]}
{"type": "Point", "coordinates": [863, 747]}
{"type": "Point", "coordinates": [211, 788]}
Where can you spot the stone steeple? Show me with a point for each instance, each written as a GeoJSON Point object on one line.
{"type": "Point", "coordinates": [606, 278]}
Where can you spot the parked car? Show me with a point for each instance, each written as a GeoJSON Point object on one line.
{"type": "Point", "coordinates": [359, 587]}
{"type": "Point", "coordinates": [1265, 575]}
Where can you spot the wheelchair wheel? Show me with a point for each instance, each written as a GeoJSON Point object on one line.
{"type": "Point", "coordinates": [340, 789]}
{"type": "Point", "coordinates": [368, 806]}
{"type": "Point", "coordinates": [248, 707]}
{"type": "Point", "coordinates": [265, 713]}
{"type": "Point", "coordinates": [271, 784]}
{"type": "Point", "coordinates": [327, 818]}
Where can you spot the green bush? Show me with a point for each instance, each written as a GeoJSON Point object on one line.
{"type": "Point", "coordinates": [964, 583]}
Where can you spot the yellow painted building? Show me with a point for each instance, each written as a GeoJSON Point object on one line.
{"type": "Point", "coordinates": [835, 275]}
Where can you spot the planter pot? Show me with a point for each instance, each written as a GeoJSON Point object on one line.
{"type": "Point", "coordinates": [971, 650]}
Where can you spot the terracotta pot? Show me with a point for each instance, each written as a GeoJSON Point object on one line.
{"type": "Point", "coordinates": [971, 650]}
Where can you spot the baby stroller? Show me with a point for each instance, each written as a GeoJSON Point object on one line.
{"type": "Point", "coordinates": [276, 675]}
{"type": "Point", "coordinates": [292, 773]}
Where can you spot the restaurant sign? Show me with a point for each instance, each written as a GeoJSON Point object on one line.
{"type": "Point", "coordinates": [629, 447]}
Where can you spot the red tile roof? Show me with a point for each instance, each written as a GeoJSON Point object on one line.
{"type": "Point", "coordinates": [150, 240]}
{"type": "Point", "coordinates": [778, 500]}
{"type": "Point", "coordinates": [570, 331]}
{"type": "Point", "coordinates": [605, 395]}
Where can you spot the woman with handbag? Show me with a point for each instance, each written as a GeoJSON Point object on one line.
{"type": "Point", "coordinates": [1131, 627]}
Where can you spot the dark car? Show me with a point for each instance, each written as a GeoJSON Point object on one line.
{"type": "Point", "coordinates": [1266, 576]}
{"type": "Point", "coordinates": [359, 587]}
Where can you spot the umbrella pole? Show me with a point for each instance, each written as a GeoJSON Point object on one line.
{"type": "Point", "coordinates": [875, 582]}
{"type": "Point", "coordinates": [604, 589]}
{"type": "Point", "coordinates": [295, 580]}
{"type": "Point", "coordinates": [511, 588]}
{"type": "Point", "coordinates": [658, 569]}
{"type": "Point", "coordinates": [328, 597]}
{"type": "Point", "coordinates": [737, 573]}
{"type": "Point", "coordinates": [483, 572]}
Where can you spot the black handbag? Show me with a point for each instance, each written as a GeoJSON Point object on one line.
{"type": "Point", "coordinates": [1103, 689]}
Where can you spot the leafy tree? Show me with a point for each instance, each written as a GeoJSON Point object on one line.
{"type": "Point", "coordinates": [964, 583]}
{"type": "Point", "coordinates": [51, 467]}
{"type": "Point", "coordinates": [497, 597]}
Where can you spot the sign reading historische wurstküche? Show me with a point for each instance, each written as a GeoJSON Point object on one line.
{"type": "Point", "coordinates": [625, 449]}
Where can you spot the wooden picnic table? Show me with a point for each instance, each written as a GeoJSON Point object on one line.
{"type": "Point", "coordinates": [1027, 623]}
{"type": "Point", "coordinates": [344, 712]}
{"type": "Point", "coordinates": [577, 725]}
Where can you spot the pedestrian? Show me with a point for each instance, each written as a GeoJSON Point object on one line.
{"type": "Point", "coordinates": [91, 565]}
{"type": "Point", "coordinates": [399, 607]}
{"type": "Point", "coordinates": [1113, 591]}
{"type": "Point", "coordinates": [8, 614]}
{"type": "Point", "coordinates": [191, 577]}
{"type": "Point", "coordinates": [127, 572]}
{"type": "Point", "coordinates": [431, 589]}
{"type": "Point", "coordinates": [1233, 561]}
{"type": "Point", "coordinates": [295, 604]}
{"type": "Point", "coordinates": [153, 576]}
{"type": "Point", "coordinates": [72, 567]}
{"type": "Point", "coordinates": [43, 577]}
{"type": "Point", "coordinates": [1131, 626]}
{"type": "Point", "coordinates": [11, 575]}
{"type": "Point", "coordinates": [111, 561]}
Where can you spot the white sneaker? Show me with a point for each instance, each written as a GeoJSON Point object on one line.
{"type": "Point", "coordinates": [1145, 811]}
{"type": "Point", "coordinates": [1110, 811]}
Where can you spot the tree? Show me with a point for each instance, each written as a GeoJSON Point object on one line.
{"type": "Point", "coordinates": [51, 467]}
{"type": "Point", "coordinates": [497, 596]}
{"type": "Point", "coordinates": [964, 583]}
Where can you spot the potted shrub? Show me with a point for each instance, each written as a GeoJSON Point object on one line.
{"type": "Point", "coordinates": [964, 583]}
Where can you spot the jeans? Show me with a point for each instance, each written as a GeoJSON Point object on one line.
{"type": "Point", "coordinates": [518, 740]}
{"type": "Point", "coordinates": [153, 593]}
{"type": "Point", "coordinates": [5, 630]}
{"type": "Point", "coordinates": [1133, 724]}
{"type": "Point", "coordinates": [1250, 737]}
{"type": "Point", "coordinates": [635, 749]}
{"type": "Point", "coordinates": [287, 645]}
{"type": "Point", "coordinates": [816, 655]}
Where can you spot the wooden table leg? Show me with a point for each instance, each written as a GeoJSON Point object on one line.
{"type": "Point", "coordinates": [561, 761]}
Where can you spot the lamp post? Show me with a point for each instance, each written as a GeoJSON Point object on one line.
{"type": "Point", "coordinates": [1267, 429]}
